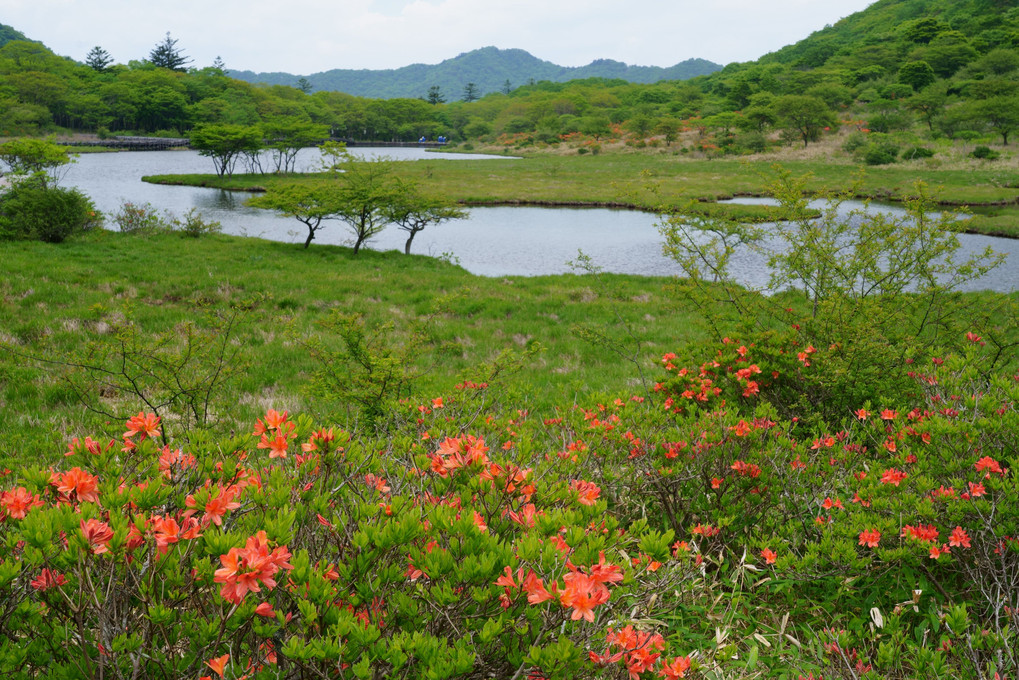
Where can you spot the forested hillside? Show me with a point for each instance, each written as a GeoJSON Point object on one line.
{"type": "Point", "coordinates": [490, 69]}
{"type": "Point", "coordinates": [8, 34]}
{"type": "Point", "coordinates": [902, 76]}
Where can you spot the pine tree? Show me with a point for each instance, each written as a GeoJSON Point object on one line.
{"type": "Point", "coordinates": [98, 58]}
{"type": "Point", "coordinates": [167, 55]}
{"type": "Point", "coordinates": [435, 95]}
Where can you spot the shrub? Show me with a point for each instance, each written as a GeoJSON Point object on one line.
{"type": "Point", "coordinates": [32, 210]}
{"type": "Point", "coordinates": [479, 540]}
{"type": "Point", "coordinates": [194, 225]}
{"type": "Point", "coordinates": [133, 218]}
{"type": "Point", "coordinates": [854, 142]}
{"type": "Point", "coordinates": [751, 142]}
{"type": "Point", "coordinates": [985, 153]}
{"type": "Point", "coordinates": [143, 219]}
{"type": "Point", "coordinates": [916, 152]}
{"type": "Point", "coordinates": [880, 154]}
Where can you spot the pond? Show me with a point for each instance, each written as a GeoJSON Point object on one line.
{"type": "Point", "coordinates": [492, 241]}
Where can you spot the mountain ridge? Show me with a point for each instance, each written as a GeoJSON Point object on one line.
{"type": "Point", "coordinates": [489, 68]}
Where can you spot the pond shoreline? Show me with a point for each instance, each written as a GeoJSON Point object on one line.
{"type": "Point", "coordinates": [215, 182]}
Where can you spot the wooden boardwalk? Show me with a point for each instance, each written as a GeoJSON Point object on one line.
{"type": "Point", "coordinates": [135, 143]}
{"type": "Point", "coordinates": [163, 143]}
{"type": "Point", "coordinates": [413, 145]}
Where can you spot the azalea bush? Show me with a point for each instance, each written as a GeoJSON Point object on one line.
{"type": "Point", "coordinates": [292, 551]}
{"type": "Point", "coordinates": [692, 532]}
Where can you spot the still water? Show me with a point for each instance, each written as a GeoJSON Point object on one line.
{"type": "Point", "coordinates": [495, 241]}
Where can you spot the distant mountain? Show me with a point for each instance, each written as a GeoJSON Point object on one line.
{"type": "Point", "coordinates": [489, 68]}
{"type": "Point", "coordinates": [7, 34]}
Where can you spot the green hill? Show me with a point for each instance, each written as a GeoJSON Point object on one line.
{"type": "Point", "coordinates": [8, 34]}
{"type": "Point", "coordinates": [489, 68]}
{"type": "Point", "coordinates": [953, 37]}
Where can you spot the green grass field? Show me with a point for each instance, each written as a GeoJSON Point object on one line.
{"type": "Point", "coordinates": [57, 299]}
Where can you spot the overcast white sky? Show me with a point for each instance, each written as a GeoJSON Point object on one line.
{"type": "Point", "coordinates": [308, 36]}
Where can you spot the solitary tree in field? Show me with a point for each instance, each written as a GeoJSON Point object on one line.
{"type": "Point", "coordinates": [310, 204]}
{"type": "Point", "coordinates": [166, 54]}
{"type": "Point", "coordinates": [1001, 114]}
{"type": "Point", "coordinates": [412, 211]}
{"type": "Point", "coordinates": [803, 116]}
{"type": "Point", "coordinates": [365, 190]}
{"type": "Point", "coordinates": [98, 58]}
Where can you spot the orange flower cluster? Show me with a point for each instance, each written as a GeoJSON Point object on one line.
{"type": "Point", "coordinates": [275, 433]}
{"type": "Point", "coordinates": [248, 568]}
{"type": "Point", "coordinates": [18, 502]}
{"type": "Point", "coordinates": [640, 651]}
{"type": "Point", "coordinates": [581, 591]}
{"type": "Point", "coordinates": [76, 485]}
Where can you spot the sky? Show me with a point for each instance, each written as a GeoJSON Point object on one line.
{"type": "Point", "coordinates": [308, 36]}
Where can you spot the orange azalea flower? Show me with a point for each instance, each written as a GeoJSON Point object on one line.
{"type": "Point", "coordinates": [769, 555]}
{"type": "Point", "coordinates": [583, 593]}
{"type": "Point", "coordinates": [218, 665]}
{"type": "Point", "coordinates": [236, 581]}
{"type": "Point", "coordinates": [870, 538]}
{"type": "Point", "coordinates": [588, 491]}
{"type": "Point", "coordinates": [959, 538]}
{"type": "Point", "coordinates": [526, 515]}
{"type": "Point", "coordinates": [98, 534]}
{"type": "Point", "coordinates": [18, 502]}
{"type": "Point", "coordinates": [265, 609]}
{"type": "Point", "coordinates": [677, 669]}
{"type": "Point", "coordinates": [166, 531]}
{"type": "Point", "coordinates": [604, 572]}
{"type": "Point", "coordinates": [48, 579]}
{"type": "Point", "coordinates": [893, 476]}
{"type": "Point", "coordinates": [169, 459]}
{"type": "Point", "coordinates": [219, 504]}
{"type": "Point", "coordinates": [244, 568]}
{"type": "Point", "coordinates": [507, 578]}
{"type": "Point", "coordinates": [84, 486]}
{"type": "Point", "coordinates": [277, 446]}
{"type": "Point", "coordinates": [146, 424]}
{"type": "Point", "coordinates": [535, 589]}
{"type": "Point", "coordinates": [377, 482]}
{"type": "Point", "coordinates": [989, 464]}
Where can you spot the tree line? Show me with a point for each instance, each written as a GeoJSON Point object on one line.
{"type": "Point", "coordinates": [954, 77]}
